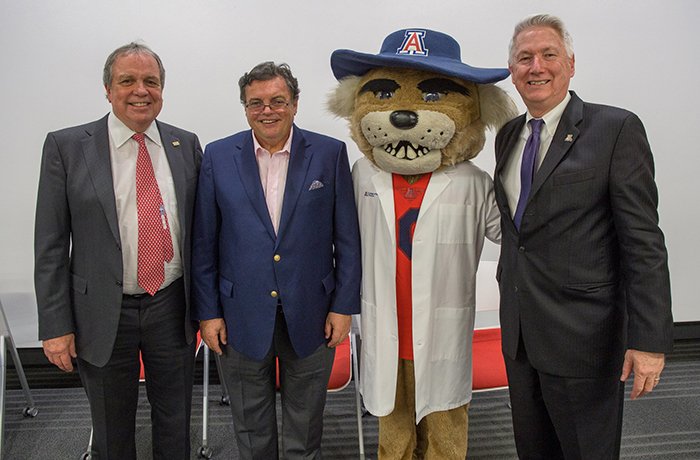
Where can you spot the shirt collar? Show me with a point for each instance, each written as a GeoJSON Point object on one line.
{"type": "Point", "coordinates": [551, 118]}
{"type": "Point", "coordinates": [286, 148]}
{"type": "Point", "coordinates": [121, 133]}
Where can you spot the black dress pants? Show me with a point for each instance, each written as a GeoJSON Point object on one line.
{"type": "Point", "coordinates": [154, 327]}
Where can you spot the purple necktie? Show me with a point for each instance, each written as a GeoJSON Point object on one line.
{"type": "Point", "coordinates": [527, 170]}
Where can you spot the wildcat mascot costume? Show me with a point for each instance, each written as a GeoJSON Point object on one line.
{"type": "Point", "coordinates": [419, 114]}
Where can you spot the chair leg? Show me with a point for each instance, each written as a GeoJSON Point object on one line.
{"type": "Point", "coordinates": [88, 453]}
{"type": "Point", "coordinates": [225, 400]}
{"type": "Point", "coordinates": [358, 400]}
{"type": "Point", "coordinates": [205, 451]}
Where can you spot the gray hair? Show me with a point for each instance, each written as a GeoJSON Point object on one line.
{"type": "Point", "coordinates": [542, 20]}
{"type": "Point", "coordinates": [267, 71]}
{"type": "Point", "coordinates": [131, 48]}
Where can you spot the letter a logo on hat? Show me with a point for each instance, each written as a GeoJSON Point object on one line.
{"type": "Point", "coordinates": [413, 44]}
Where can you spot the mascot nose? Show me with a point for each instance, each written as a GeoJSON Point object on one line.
{"type": "Point", "coordinates": [404, 119]}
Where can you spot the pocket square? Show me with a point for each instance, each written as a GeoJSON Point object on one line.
{"type": "Point", "coordinates": [315, 185]}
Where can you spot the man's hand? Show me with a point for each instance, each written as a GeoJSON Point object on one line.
{"type": "Point", "coordinates": [337, 328]}
{"type": "Point", "coordinates": [647, 369]}
{"type": "Point", "coordinates": [213, 332]}
{"type": "Point", "coordinates": [60, 351]}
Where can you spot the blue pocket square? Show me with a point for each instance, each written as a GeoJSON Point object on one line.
{"type": "Point", "coordinates": [315, 185]}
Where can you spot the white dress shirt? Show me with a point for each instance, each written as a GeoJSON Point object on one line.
{"type": "Point", "coordinates": [510, 177]}
{"type": "Point", "coordinates": [123, 153]}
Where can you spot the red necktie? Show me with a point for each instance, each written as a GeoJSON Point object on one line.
{"type": "Point", "coordinates": [155, 245]}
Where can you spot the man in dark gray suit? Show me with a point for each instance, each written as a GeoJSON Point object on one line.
{"type": "Point", "coordinates": [112, 257]}
{"type": "Point", "coordinates": [584, 282]}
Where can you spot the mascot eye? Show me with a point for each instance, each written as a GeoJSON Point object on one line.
{"type": "Point", "coordinates": [433, 96]}
{"type": "Point", "coordinates": [434, 89]}
{"type": "Point", "coordinates": [381, 88]}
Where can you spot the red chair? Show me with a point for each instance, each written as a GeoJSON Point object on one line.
{"type": "Point", "coordinates": [488, 367]}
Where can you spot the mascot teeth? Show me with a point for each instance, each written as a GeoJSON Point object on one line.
{"type": "Point", "coordinates": [406, 150]}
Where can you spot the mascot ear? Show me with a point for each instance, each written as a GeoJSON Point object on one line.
{"type": "Point", "coordinates": [341, 101]}
{"type": "Point", "coordinates": [497, 107]}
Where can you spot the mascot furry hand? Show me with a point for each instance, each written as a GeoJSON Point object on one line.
{"type": "Point", "coordinates": [419, 114]}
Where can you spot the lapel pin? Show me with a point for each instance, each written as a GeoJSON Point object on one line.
{"type": "Point", "coordinates": [176, 143]}
{"type": "Point", "coordinates": [569, 138]}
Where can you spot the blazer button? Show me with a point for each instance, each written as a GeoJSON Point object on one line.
{"type": "Point", "coordinates": [521, 249]}
{"type": "Point", "coordinates": [273, 294]}
{"type": "Point", "coordinates": [277, 258]}
{"type": "Point", "coordinates": [515, 288]}
{"type": "Point", "coordinates": [118, 283]}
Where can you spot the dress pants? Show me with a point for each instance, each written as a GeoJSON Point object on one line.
{"type": "Point", "coordinates": [563, 417]}
{"type": "Point", "coordinates": [440, 435]}
{"type": "Point", "coordinates": [153, 326]}
{"type": "Point", "coordinates": [303, 386]}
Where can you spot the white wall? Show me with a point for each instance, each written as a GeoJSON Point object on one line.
{"type": "Point", "coordinates": [640, 55]}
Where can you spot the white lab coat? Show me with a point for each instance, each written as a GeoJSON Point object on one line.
{"type": "Point", "coordinates": [457, 212]}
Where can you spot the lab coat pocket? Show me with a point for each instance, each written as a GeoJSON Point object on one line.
{"type": "Point", "coordinates": [456, 223]}
{"type": "Point", "coordinates": [449, 333]}
{"type": "Point", "coordinates": [369, 329]}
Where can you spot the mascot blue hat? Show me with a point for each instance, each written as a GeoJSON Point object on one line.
{"type": "Point", "coordinates": [415, 49]}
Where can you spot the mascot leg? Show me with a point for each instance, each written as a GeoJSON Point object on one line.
{"type": "Point", "coordinates": [443, 435]}
{"type": "Point", "coordinates": [397, 431]}
{"type": "Point", "coordinates": [440, 435]}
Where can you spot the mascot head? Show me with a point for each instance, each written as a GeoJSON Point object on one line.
{"type": "Point", "coordinates": [415, 107]}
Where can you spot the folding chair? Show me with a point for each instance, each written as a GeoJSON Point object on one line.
{"type": "Point", "coordinates": [8, 343]}
{"type": "Point", "coordinates": [344, 366]}
{"type": "Point", "coordinates": [488, 367]}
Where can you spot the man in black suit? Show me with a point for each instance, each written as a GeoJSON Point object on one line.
{"type": "Point", "coordinates": [583, 275]}
{"type": "Point", "coordinates": [112, 257]}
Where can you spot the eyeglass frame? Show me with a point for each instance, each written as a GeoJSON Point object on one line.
{"type": "Point", "coordinates": [282, 105]}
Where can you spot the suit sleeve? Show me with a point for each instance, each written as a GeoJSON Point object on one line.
{"type": "Point", "coordinates": [205, 247]}
{"type": "Point", "coordinates": [644, 262]}
{"type": "Point", "coordinates": [52, 234]}
{"type": "Point", "coordinates": [346, 241]}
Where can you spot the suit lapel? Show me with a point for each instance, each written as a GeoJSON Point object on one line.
{"type": "Point", "coordinates": [99, 166]}
{"type": "Point", "coordinates": [299, 161]}
{"type": "Point", "coordinates": [250, 178]}
{"type": "Point", "coordinates": [510, 139]}
{"type": "Point", "coordinates": [564, 137]}
{"type": "Point", "coordinates": [173, 152]}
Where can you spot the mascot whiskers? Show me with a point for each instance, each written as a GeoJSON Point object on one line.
{"type": "Point", "coordinates": [418, 114]}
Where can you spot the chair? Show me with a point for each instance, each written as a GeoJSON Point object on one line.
{"type": "Point", "coordinates": [8, 343]}
{"type": "Point", "coordinates": [488, 367]}
{"type": "Point", "coordinates": [344, 366]}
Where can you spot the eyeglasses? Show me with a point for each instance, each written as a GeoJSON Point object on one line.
{"type": "Point", "coordinates": [257, 106]}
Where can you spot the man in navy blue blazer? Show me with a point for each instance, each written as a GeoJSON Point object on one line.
{"type": "Point", "coordinates": [276, 265]}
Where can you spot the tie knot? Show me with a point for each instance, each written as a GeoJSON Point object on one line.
{"type": "Point", "coordinates": [138, 137]}
{"type": "Point", "coordinates": [536, 125]}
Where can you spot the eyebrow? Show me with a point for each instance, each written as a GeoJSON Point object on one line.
{"type": "Point", "coordinates": [380, 84]}
{"type": "Point", "coordinates": [442, 85]}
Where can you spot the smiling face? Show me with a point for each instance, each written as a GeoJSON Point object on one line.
{"type": "Point", "coordinates": [136, 92]}
{"type": "Point", "coordinates": [270, 126]}
{"type": "Point", "coordinates": [540, 69]}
